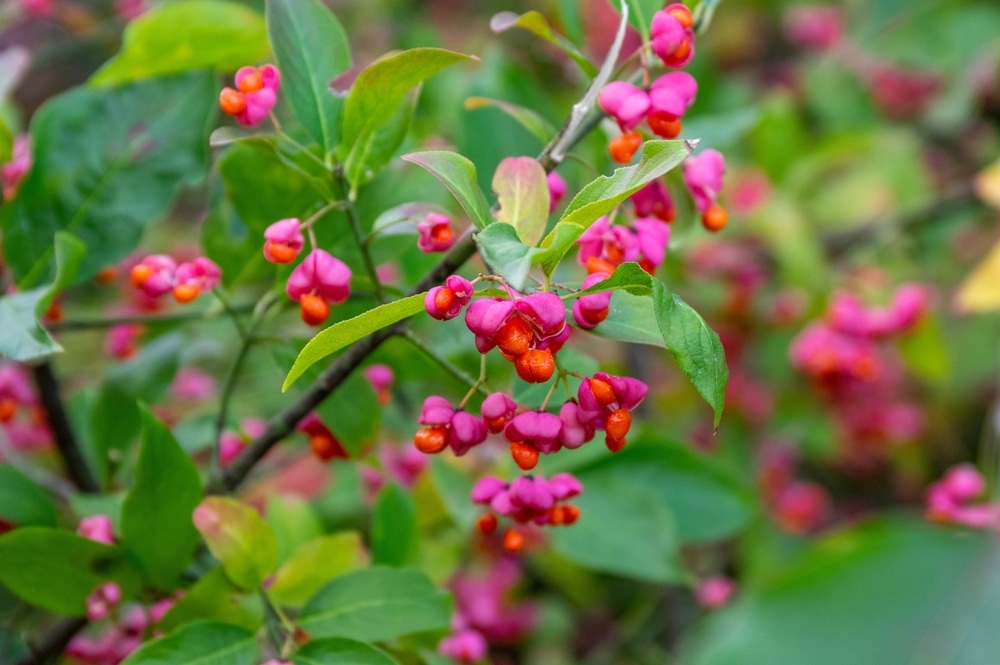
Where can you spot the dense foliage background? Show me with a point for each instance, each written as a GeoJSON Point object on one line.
{"type": "Point", "coordinates": [825, 517]}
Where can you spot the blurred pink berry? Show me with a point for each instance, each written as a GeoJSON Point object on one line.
{"type": "Point", "coordinates": [97, 528]}
{"type": "Point", "coordinates": [801, 506]}
{"type": "Point", "coordinates": [255, 95]}
{"type": "Point", "coordinates": [652, 235]}
{"type": "Point", "coordinates": [130, 9]}
{"type": "Point", "coordinates": [591, 309]}
{"type": "Point", "coordinates": [818, 27]}
{"type": "Point", "coordinates": [322, 275]}
{"type": "Point", "coordinates": [121, 341]}
{"type": "Point", "coordinates": [624, 102]}
{"type": "Point", "coordinates": [12, 172]}
{"type": "Point", "coordinates": [283, 240]}
{"type": "Point", "coordinates": [465, 647]}
{"type": "Point", "coordinates": [703, 177]}
{"type": "Point", "coordinates": [654, 200]}
{"type": "Point", "coordinates": [155, 275]}
{"type": "Point", "coordinates": [193, 385]}
{"type": "Point", "coordinates": [230, 446]}
{"type": "Point", "coordinates": [465, 431]}
{"type": "Point", "coordinates": [574, 432]}
{"type": "Point", "coordinates": [102, 601]}
{"type": "Point", "coordinates": [436, 234]}
{"type": "Point", "coordinates": [557, 190]}
{"type": "Point", "coordinates": [714, 592]}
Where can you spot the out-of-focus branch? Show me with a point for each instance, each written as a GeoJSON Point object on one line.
{"type": "Point", "coordinates": [76, 465]}
{"type": "Point", "coordinates": [48, 647]}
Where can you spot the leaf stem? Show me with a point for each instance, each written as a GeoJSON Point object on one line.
{"type": "Point", "coordinates": [455, 371]}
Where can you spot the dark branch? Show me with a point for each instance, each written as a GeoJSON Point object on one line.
{"type": "Point", "coordinates": [52, 643]}
{"type": "Point", "coordinates": [76, 466]}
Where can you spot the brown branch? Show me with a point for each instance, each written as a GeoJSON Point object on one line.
{"type": "Point", "coordinates": [52, 643]}
{"type": "Point", "coordinates": [76, 465]}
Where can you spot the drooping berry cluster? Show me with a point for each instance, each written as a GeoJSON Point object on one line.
{"type": "Point", "coordinates": [526, 500]}
{"type": "Point", "coordinates": [159, 274]}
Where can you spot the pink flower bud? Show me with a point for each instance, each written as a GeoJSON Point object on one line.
{"type": "Point", "coordinates": [486, 488]}
{"type": "Point", "coordinates": [436, 234]}
{"type": "Point", "coordinates": [652, 235]}
{"type": "Point", "coordinates": [625, 103]}
{"type": "Point", "coordinates": [654, 200]}
{"type": "Point", "coordinates": [714, 592]}
{"type": "Point", "coordinates": [283, 240]}
{"type": "Point", "coordinates": [98, 528]}
{"type": "Point", "coordinates": [557, 190]}
{"type": "Point", "coordinates": [819, 27]}
{"type": "Point", "coordinates": [574, 432]}
{"type": "Point", "coordinates": [465, 647]}
{"type": "Point", "coordinates": [436, 411]}
{"type": "Point", "coordinates": [703, 176]}
{"type": "Point", "coordinates": [322, 274]}
{"type": "Point", "coordinates": [380, 376]}
{"type": "Point", "coordinates": [465, 431]}
{"type": "Point", "coordinates": [540, 430]}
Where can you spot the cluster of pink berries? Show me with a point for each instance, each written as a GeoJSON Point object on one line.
{"type": "Point", "coordinates": [158, 274]}
{"type": "Point", "coordinates": [255, 94]}
{"type": "Point", "coordinates": [604, 246]}
{"type": "Point", "coordinates": [798, 506]}
{"type": "Point", "coordinates": [527, 499]}
{"type": "Point", "coordinates": [953, 499]}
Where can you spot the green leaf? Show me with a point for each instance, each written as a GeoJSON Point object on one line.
{"type": "Point", "coordinates": [215, 598]}
{"type": "Point", "coordinates": [312, 49]}
{"type": "Point", "coordinates": [555, 245]}
{"type": "Point", "coordinates": [381, 87]}
{"type": "Point", "coordinates": [344, 333]}
{"type": "Point", "coordinates": [201, 643]}
{"type": "Point", "coordinates": [339, 651]}
{"type": "Point", "coordinates": [536, 24]}
{"type": "Point", "coordinates": [523, 195]}
{"type": "Point", "coordinates": [453, 487]}
{"type": "Point", "coordinates": [23, 337]}
{"type": "Point", "coordinates": [108, 163]}
{"type": "Point", "coordinates": [377, 604]}
{"type": "Point", "coordinates": [394, 527]}
{"type": "Point", "coordinates": [695, 346]}
{"type": "Point", "coordinates": [23, 502]}
{"type": "Point", "coordinates": [706, 503]}
{"type": "Point", "coordinates": [630, 319]}
{"type": "Point", "coordinates": [888, 591]}
{"type": "Point", "coordinates": [293, 521]}
{"type": "Point", "coordinates": [458, 174]}
{"type": "Point", "coordinates": [602, 195]}
{"type": "Point", "coordinates": [314, 564]}
{"type": "Point", "coordinates": [369, 156]}
{"type": "Point", "coordinates": [538, 126]}
{"type": "Point", "coordinates": [627, 277]}
{"type": "Point", "coordinates": [353, 413]}
{"type": "Point", "coordinates": [503, 250]}
{"type": "Point", "coordinates": [624, 530]}
{"type": "Point", "coordinates": [115, 423]}
{"type": "Point", "coordinates": [156, 516]}
{"type": "Point", "coordinates": [239, 538]}
{"type": "Point", "coordinates": [57, 570]}
{"type": "Point", "coordinates": [181, 36]}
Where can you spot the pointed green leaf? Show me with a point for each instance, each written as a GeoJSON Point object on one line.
{"type": "Point", "coordinates": [538, 126]}
{"type": "Point", "coordinates": [627, 277]}
{"type": "Point", "coordinates": [381, 87]}
{"type": "Point", "coordinates": [376, 604]}
{"type": "Point", "coordinates": [523, 195]}
{"type": "Point", "coordinates": [394, 527]}
{"type": "Point", "coordinates": [602, 195]}
{"type": "Point", "coordinates": [215, 598]}
{"type": "Point", "coordinates": [180, 36]}
{"type": "Point", "coordinates": [23, 336]}
{"type": "Point", "coordinates": [458, 174]}
{"type": "Point", "coordinates": [630, 319]}
{"type": "Point", "coordinates": [347, 332]}
{"type": "Point", "coordinates": [339, 651]}
{"type": "Point", "coordinates": [57, 570]}
{"type": "Point", "coordinates": [239, 538]}
{"type": "Point", "coordinates": [505, 253]}
{"type": "Point", "coordinates": [695, 346]}
{"type": "Point", "coordinates": [156, 515]}
{"type": "Point", "coordinates": [200, 643]}
{"type": "Point", "coordinates": [370, 155]}
{"type": "Point", "coordinates": [536, 24]}
{"type": "Point", "coordinates": [23, 502]}
{"type": "Point", "coordinates": [312, 49]}
{"type": "Point", "coordinates": [314, 564]}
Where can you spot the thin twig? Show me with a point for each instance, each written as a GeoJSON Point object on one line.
{"type": "Point", "coordinates": [97, 324]}
{"type": "Point", "coordinates": [76, 465]}
{"type": "Point", "coordinates": [445, 364]}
